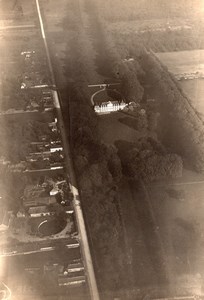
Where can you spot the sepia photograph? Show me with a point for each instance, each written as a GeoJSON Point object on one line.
{"type": "Point", "coordinates": [101, 149]}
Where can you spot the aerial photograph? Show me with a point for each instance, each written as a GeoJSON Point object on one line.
{"type": "Point", "coordinates": [101, 149]}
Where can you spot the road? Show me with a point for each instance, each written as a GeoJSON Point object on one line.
{"type": "Point", "coordinates": [69, 166]}
{"type": "Point", "coordinates": [17, 27]}
{"type": "Point", "coordinates": [7, 291]}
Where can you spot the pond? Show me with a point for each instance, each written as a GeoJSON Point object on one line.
{"type": "Point", "coordinates": [51, 227]}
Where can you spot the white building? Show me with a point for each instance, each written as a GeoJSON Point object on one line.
{"type": "Point", "coordinates": [110, 106]}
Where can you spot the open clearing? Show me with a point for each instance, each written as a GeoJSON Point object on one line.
{"type": "Point", "coordinates": [111, 129]}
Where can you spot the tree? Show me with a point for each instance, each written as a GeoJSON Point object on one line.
{"type": "Point", "coordinates": [114, 163]}
{"type": "Point", "coordinates": [131, 88]}
{"type": "Point", "coordinates": [148, 165]}
{"type": "Point", "coordinates": [153, 121]}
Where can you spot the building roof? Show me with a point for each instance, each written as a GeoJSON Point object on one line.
{"type": "Point", "coordinates": [39, 201]}
{"type": "Point", "coordinates": [110, 103]}
{"type": "Point", "coordinates": [4, 219]}
{"type": "Point", "coordinates": [3, 227]}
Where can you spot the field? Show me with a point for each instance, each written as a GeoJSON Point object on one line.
{"type": "Point", "coordinates": [145, 9]}
{"type": "Point", "coordinates": [178, 205]}
{"type": "Point", "coordinates": [178, 209]}
{"type": "Point", "coordinates": [183, 61]}
{"type": "Point", "coordinates": [142, 271]}
{"type": "Point", "coordinates": [187, 62]}
{"type": "Point", "coordinates": [147, 25]}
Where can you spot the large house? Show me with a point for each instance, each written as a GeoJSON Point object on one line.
{"type": "Point", "coordinates": [109, 106]}
{"type": "Point", "coordinates": [107, 100]}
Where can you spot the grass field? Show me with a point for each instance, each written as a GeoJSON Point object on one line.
{"type": "Point", "coordinates": [187, 62]}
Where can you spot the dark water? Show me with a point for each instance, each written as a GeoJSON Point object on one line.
{"type": "Point", "coordinates": [52, 227]}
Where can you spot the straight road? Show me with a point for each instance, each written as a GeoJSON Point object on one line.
{"type": "Point", "coordinates": [69, 166]}
{"type": "Point", "coordinates": [17, 27]}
